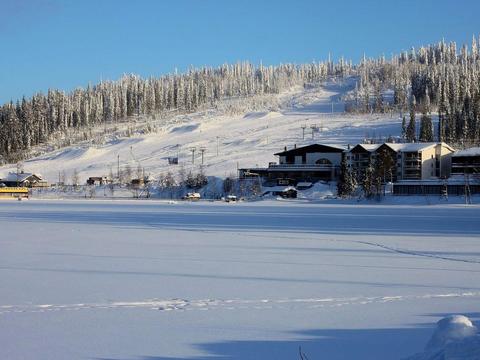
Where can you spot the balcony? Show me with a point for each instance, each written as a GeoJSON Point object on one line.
{"type": "Point", "coordinates": [466, 165]}
{"type": "Point", "coordinates": [412, 175]}
{"type": "Point", "coordinates": [299, 167]}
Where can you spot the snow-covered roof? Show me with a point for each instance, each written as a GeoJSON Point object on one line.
{"type": "Point", "coordinates": [400, 147]}
{"type": "Point", "coordinates": [20, 177]}
{"type": "Point", "coordinates": [474, 151]}
{"type": "Point", "coordinates": [370, 147]}
{"type": "Point", "coordinates": [416, 147]}
{"type": "Point", "coordinates": [362, 148]}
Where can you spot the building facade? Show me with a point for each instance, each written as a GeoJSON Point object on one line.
{"type": "Point", "coordinates": [308, 163]}
{"type": "Point", "coordinates": [411, 161]}
{"type": "Point", "coordinates": [403, 164]}
{"type": "Point", "coordinates": [466, 162]}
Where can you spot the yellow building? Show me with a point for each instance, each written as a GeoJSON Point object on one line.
{"type": "Point", "coordinates": [13, 192]}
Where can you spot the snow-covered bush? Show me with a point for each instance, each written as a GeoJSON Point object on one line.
{"type": "Point", "coordinates": [455, 338]}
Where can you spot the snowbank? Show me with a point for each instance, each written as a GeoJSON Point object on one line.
{"type": "Point", "coordinates": [319, 190]}
{"type": "Point", "coordinates": [449, 329]}
{"type": "Point", "coordinates": [455, 338]}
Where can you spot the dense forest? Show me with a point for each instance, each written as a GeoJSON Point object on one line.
{"type": "Point", "coordinates": [436, 78]}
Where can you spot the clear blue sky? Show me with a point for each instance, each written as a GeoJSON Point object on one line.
{"type": "Point", "coordinates": [65, 43]}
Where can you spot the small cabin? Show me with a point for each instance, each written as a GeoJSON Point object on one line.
{"type": "Point", "coordinates": [98, 180]}
{"type": "Point", "coordinates": [139, 182]}
{"type": "Point", "coordinates": [23, 179]}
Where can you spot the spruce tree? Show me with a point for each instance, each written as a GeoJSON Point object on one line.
{"type": "Point", "coordinates": [411, 128]}
{"type": "Point", "coordinates": [426, 126]}
{"type": "Point", "coordinates": [404, 128]}
{"type": "Point", "coordinates": [346, 182]}
{"type": "Point", "coordinates": [368, 180]}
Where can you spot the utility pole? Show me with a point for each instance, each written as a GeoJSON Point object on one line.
{"type": "Point", "coordinates": [18, 172]}
{"type": "Point", "coordinates": [468, 199]}
{"type": "Point", "coordinates": [303, 131]}
{"type": "Point", "coordinates": [118, 167]}
{"type": "Point", "coordinates": [193, 154]}
{"type": "Point", "coordinates": [202, 150]}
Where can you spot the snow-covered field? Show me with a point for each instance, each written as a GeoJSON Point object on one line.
{"type": "Point", "coordinates": [157, 280]}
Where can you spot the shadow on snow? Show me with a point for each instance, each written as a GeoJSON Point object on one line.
{"type": "Point", "coordinates": [334, 344]}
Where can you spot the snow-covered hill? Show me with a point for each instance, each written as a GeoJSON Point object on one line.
{"type": "Point", "coordinates": [243, 140]}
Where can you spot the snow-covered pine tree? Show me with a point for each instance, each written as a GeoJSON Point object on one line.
{"type": "Point", "coordinates": [411, 128]}
{"type": "Point", "coordinates": [368, 180]}
{"type": "Point", "coordinates": [404, 128]}
{"type": "Point", "coordinates": [426, 126]}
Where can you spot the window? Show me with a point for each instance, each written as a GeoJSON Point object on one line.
{"type": "Point", "coordinates": [323, 162]}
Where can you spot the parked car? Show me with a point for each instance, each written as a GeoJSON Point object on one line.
{"type": "Point", "coordinates": [231, 198]}
{"type": "Point", "coordinates": [192, 196]}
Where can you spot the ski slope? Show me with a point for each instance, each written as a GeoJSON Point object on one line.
{"type": "Point", "coordinates": [244, 140]}
{"type": "Point", "coordinates": [130, 280]}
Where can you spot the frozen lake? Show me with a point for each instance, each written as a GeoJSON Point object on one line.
{"type": "Point", "coordinates": [150, 280]}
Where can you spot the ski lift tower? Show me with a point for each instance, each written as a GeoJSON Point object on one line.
{"type": "Point", "coordinates": [202, 151]}
{"type": "Point", "coordinates": [193, 149]}
{"type": "Point", "coordinates": [314, 128]}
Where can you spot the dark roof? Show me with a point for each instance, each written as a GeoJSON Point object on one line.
{"type": "Point", "coordinates": [314, 148]}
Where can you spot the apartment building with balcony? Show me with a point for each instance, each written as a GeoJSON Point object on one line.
{"type": "Point", "coordinates": [466, 162]}
{"type": "Point", "coordinates": [412, 161]}
{"type": "Point", "coordinates": [360, 156]}
{"type": "Point", "coordinates": [423, 161]}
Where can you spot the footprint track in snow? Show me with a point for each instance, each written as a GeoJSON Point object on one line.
{"type": "Point", "coordinates": [230, 305]}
